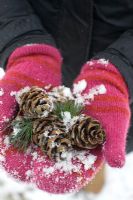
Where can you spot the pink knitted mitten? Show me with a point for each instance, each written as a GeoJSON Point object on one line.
{"type": "Point", "coordinates": [29, 65]}
{"type": "Point", "coordinates": [111, 109]}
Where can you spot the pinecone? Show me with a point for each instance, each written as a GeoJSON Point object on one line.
{"type": "Point", "coordinates": [49, 133]}
{"type": "Point", "coordinates": [87, 133]}
{"type": "Point", "coordinates": [57, 145]}
{"type": "Point", "coordinates": [35, 103]}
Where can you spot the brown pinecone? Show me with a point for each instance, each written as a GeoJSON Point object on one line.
{"type": "Point", "coordinates": [35, 102]}
{"type": "Point", "coordinates": [87, 133]}
{"type": "Point", "coordinates": [49, 133]}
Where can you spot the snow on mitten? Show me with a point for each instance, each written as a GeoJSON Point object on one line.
{"type": "Point", "coordinates": [36, 64]}
{"type": "Point", "coordinates": [28, 65]}
{"type": "Point", "coordinates": [69, 175]}
{"type": "Point", "coordinates": [111, 109]}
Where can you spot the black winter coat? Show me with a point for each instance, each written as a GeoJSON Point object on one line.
{"type": "Point", "coordinates": [81, 29]}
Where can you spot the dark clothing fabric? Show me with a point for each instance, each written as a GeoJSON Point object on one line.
{"type": "Point", "coordinates": [80, 29]}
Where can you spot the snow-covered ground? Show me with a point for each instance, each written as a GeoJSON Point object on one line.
{"type": "Point", "coordinates": [118, 186]}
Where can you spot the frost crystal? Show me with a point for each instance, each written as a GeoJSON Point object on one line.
{"type": "Point", "coordinates": [46, 133]}
{"type": "Point", "coordinates": [90, 62]}
{"type": "Point", "coordinates": [67, 92]}
{"type": "Point", "coordinates": [49, 170]}
{"type": "Point", "coordinates": [2, 73]}
{"type": "Point", "coordinates": [1, 91]}
{"type": "Point", "coordinates": [28, 173]}
{"type": "Point", "coordinates": [35, 155]}
{"type": "Point", "coordinates": [5, 119]}
{"type": "Point", "coordinates": [47, 87]}
{"type": "Point", "coordinates": [13, 93]}
{"type": "Point", "coordinates": [59, 92]}
{"type": "Point", "coordinates": [99, 89]}
{"type": "Point", "coordinates": [66, 117]}
{"type": "Point", "coordinates": [20, 92]}
{"type": "Point", "coordinates": [16, 130]}
{"type": "Point", "coordinates": [68, 120]}
{"type": "Point", "coordinates": [86, 98]}
{"type": "Point", "coordinates": [7, 141]}
{"type": "Point", "coordinates": [2, 158]}
{"type": "Point", "coordinates": [103, 61]}
{"type": "Point", "coordinates": [79, 87]}
{"type": "Point", "coordinates": [87, 161]}
{"type": "Point", "coordinates": [83, 159]}
{"type": "Point", "coordinates": [45, 113]}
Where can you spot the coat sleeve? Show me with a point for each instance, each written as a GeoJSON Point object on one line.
{"type": "Point", "coordinates": [19, 25]}
{"type": "Point", "coordinates": [120, 53]}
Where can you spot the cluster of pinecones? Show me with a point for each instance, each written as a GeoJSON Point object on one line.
{"type": "Point", "coordinates": [49, 132]}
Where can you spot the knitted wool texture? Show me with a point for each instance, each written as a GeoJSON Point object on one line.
{"type": "Point", "coordinates": [111, 109]}
{"type": "Point", "coordinates": [36, 65]}
{"type": "Point", "coordinates": [28, 65]}
{"type": "Point", "coordinates": [40, 65]}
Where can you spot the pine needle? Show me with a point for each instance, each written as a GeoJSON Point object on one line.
{"type": "Point", "coordinates": [67, 106]}
{"type": "Point", "coordinates": [23, 138]}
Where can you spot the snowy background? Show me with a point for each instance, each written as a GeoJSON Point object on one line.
{"type": "Point", "coordinates": [118, 185]}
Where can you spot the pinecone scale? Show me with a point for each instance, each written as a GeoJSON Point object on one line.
{"type": "Point", "coordinates": [50, 135]}
{"type": "Point", "coordinates": [87, 133]}
{"type": "Point", "coordinates": [35, 102]}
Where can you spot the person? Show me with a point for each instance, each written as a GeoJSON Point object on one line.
{"type": "Point", "coordinates": [91, 40]}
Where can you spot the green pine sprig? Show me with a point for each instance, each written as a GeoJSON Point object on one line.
{"type": "Point", "coordinates": [71, 106]}
{"type": "Point", "coordinates": [23, 138]}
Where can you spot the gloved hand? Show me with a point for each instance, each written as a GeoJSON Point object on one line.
{"type": "Point", "coordinates": [29, 65]}
{"type": "Point", "coordinates": [111, 109]}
